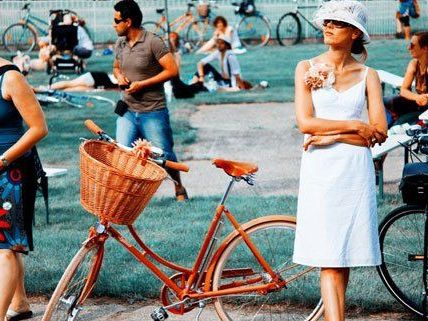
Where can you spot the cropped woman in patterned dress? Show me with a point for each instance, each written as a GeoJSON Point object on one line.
{"type": "Point", "coordinates": [19, 168]}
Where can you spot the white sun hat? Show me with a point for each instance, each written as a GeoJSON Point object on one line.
{"type": "Point", "coordinates": [349, 11]}
{"type": "Point", "coordinates": [225, 38]}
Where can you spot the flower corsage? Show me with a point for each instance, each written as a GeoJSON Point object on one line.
{"type": "Point", "coordinates": [318, 76]}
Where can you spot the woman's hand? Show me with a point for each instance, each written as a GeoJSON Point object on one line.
{"type": "Point", "coordinates": [320, 141]}
{"type": "Point", "coordinates": [371, 134]}
{"type": "Point", "coordinates": [422, 100]}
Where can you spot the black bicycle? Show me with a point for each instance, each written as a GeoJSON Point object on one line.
{"type": "Point", "coordinates": [403, 233]}
{"type": "Point", "coordinates": [289, 28]}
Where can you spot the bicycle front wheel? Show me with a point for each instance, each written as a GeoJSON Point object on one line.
{"type": "Point", "coordinates": [19, 36]}
{"type": "Point", "coordinates": [299, 300]}
{"type": "Point", "coordinates": [289, 30]}
{"type": "Point", "coordinates": [199, 32]}
{"type": "Point", "coordinates": [254, 31]}
{"type": "Point", "coordinates": [76, 284]}
{"type": "Point", "coordinates": [402, 245]}
{"type": "Point", "coordinates": [155, 28]}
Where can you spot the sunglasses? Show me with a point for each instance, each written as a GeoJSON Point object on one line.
{"type": "Point", "coordinates": [336, 23]}
{"type": "Point", "coordinates": [117, 21]}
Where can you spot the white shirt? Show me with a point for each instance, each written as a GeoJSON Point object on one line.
{"type": "Point", "coordinates": [83, 39]}
{"type": "Point", "coordinates": [230, 58]}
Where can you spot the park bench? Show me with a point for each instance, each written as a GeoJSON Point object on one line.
{"type": "Point", "coordinates": [390, 79]}
{"type": "Point", "coordinates": [43, 184]}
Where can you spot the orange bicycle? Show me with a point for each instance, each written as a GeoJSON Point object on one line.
{"type": "Point", "coordinates": [248, 276]}
{"type": "Point", "coordinates": [196, 29]}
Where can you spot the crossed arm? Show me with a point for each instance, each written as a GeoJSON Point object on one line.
{"type": "Point", "coordinates": [327, 132]}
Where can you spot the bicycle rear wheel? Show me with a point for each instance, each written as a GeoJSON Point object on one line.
{"type": "Point", "coordinates": [254, 31]}
{"type": "Point", "coordinates": [402, 245]}
{"type": "Point", "coordinates": [19, 36]}
{"type": "Point", "coordinates": [76, 284]}
{"type": "Point", "coordinates": [155, 28]}
{"type": "Point", "coordinates": [299, 300]}
{"type": "Point", "coordinates": [289, 30]}
{"type": "Point", "coordinates": [199, 32]}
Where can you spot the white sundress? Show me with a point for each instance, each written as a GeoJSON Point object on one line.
{"type": "Point", "coordinates": [337, 212]}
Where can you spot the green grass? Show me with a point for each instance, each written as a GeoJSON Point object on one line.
{"type": "Point", "coordinates": [175, 230]}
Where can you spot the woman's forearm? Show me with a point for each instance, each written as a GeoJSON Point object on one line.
{"type": "Point", "coordinates": [406, 93]}
{"type": "Point", "coordinates": [319, 126]}
{"type": "Point", "coordinates": [352, 139]}
{"type": "Point", "coordinates": [25, 143]}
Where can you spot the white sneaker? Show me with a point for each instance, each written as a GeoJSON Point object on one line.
{"type": "Point", "coordinates": [239, 51]}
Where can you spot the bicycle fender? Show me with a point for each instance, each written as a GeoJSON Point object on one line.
{"type": "Point", "coordinates": [246, 226]}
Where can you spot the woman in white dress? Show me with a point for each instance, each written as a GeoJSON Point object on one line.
{"type": "Point", "coordinates": [336, 215]}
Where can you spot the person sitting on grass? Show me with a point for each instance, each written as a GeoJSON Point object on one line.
{"type": "Point", "coordinates": [406, 107]}
{"type": "Point", "coordinates": [229, 77]}
{"type": "Point", "coordinates": [222, 28]}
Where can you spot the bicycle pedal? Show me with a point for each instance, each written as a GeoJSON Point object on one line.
{"type": "Point", "coordinates": [159, 314]}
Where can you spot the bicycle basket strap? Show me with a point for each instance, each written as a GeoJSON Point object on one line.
{"type": "Point", "coordinates": [414, 184]}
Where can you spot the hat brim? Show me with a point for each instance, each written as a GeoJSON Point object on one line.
{"type": "Point", "coordinates": [319, 21]}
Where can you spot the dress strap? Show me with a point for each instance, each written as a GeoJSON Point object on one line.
{"type": "Point", "coordinates": [365, 72]}
{"type": "Point", "coordinates": [310, 62]}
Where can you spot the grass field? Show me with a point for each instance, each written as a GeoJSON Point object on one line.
{"type": "Point", "coordinates": [175, 230]}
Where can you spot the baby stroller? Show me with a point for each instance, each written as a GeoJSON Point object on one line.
{"type": "Point", "coordinates": [65, 38]}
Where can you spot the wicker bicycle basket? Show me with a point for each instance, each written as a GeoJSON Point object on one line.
{"type": "Point", "coordinates": [115, 184]}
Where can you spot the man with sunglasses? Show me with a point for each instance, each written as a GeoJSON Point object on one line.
{"type": "Point", "coordinates": [142, 64]}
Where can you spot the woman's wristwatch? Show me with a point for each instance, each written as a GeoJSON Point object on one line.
{"type": "Point", "coordinates": [4, 162]}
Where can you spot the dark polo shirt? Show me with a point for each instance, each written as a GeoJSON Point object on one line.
{"type": "Point", "coordinates": [140, 62]}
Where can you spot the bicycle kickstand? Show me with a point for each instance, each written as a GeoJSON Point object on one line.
{"type": "Point", "coordinates": [201, 309]}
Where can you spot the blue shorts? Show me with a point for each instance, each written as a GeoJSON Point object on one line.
{"type": "Point", "coordinates": [404, 7]}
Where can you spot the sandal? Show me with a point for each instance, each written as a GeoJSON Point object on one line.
{"type": "Point", "coordinates": [181, 195]}
{"type": "Point", "coordinates": [12, 315]}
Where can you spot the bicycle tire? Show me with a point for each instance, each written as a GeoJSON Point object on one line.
{"type": "Point", "coordinates": [289, 29]}
{"type": "Point", "coordinates": [155, 28]}
{"type": "Point", "coordinates": [199, 32]}
{"type": "Point", "coordinates": [67, 296]}
{"type": "Point", "coordinates": [286, 303]}
{"type": "Point", "coordinates": [19, 36]}
{"type": "Point", "coordinates": [254, 31]}
{"type": "Point", "coordinates": [399, 240]}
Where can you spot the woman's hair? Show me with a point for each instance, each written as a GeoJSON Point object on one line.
{"type": "Point", "coordinates": [358, 48]}
{"type": "Point", "coordinates": [422, 38]}
{"type": "Point", "coordinates": [220, 19]}
{"type": "Point", "coordinates": [174, 39]}
{"type": "Point", "coordinates": [129, 9]}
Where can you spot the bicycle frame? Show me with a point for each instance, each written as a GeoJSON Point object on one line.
{"type": "Point", "coordinates": [299, 13]}
{"type": "Point", "coordinates": [205, 262]}
{"type": "Point", "coordinates": [35, 22]}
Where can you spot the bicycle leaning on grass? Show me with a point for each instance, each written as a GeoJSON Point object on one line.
{"type": "Point", "coordinates": [23, 35]}
{"type": "Point", "coordinates": [403, 232]}
{"type": "Point", "coordinates": [289, 28]}
{"type": "Point", "coordinates": [248, 276]}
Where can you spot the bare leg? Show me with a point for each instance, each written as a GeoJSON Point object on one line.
{"type": "Point", "coordinates": [333, 288]}
{"type": "Point", "coordinates": [20, 300]}
{"type": "Point", "coordinates": [68, 84]}
{"type": "Point", "coordinates": [407, 32]}
{"type": "Point", "coordinates": [398, 23]}
{"type": "Point", "coordinates": [8, 279]}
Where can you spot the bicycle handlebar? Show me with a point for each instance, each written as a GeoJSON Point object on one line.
{"type": "Point", "coordinates": [155, 152]}
{"type": "Point", "coordinates": [94, 128]}
{"type": "Point", "coordinates": [177, 166]}
{"type": "Point", "coordinates": [26, 6]}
